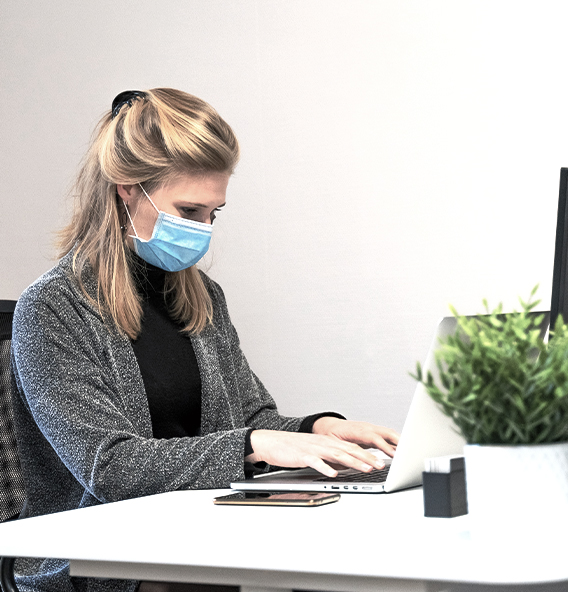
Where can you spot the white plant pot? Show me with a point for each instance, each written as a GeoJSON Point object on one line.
{"type": "Point", "coordinates": [517, 487]}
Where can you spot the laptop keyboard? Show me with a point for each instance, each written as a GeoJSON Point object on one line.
{"type": "Point", "coordinates": [352, 476]}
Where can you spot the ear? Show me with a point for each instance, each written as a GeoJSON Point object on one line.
{"type": "Point", "coordinates": [127, 192]}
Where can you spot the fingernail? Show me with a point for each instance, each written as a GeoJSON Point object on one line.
{"type": "Point", "coordinates": [367, 467]}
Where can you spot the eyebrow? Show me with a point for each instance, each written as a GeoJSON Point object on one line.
{"type": "Point", "coordinates": [192, 203]}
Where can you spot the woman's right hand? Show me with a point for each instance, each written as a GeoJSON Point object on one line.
{"type": "Point", "coordinates": [322, 453]}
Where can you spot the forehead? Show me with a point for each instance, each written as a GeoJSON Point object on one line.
{"type": "Point", "coordinates": [203, 189]}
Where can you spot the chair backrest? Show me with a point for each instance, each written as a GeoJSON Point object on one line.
{"type": "Point", "coordinates": [12, 490]}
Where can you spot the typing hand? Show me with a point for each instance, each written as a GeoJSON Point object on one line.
{"type": "Point", "coordinates": [324, 453]}
{"type": "Point", "coordinates": [366, 435]}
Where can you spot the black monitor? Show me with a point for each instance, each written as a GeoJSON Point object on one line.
{"type": "Point", "coordinates": [559, 303]}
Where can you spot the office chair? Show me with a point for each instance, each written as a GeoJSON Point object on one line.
{"type": "Point", "coordinates": [12, 491]}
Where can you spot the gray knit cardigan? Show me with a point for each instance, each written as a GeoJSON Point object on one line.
{"type": "Point", "coordinates": [83, 422]}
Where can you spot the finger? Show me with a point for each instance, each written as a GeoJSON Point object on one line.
{"type": "Point", "coordinates": [354, 457]}
{"type": "Point", "coordinates": [380, 443]}
{"type": "Point", "coordinates": [376, 461]}
{"type": "Point", "coordinates": [348, 454]}
{"type": "Point", "coordinates": [373, 438]}
{"type": "Point", "coordinates": [365, 434]}
{"type": "Point", "coordinates": [387, 438]}
{"type": "Point", "coordinates": [391, 436]}
{"type": "Point", "coordinates": [354, 447]}
{"type": "Point", "coordinates": [367, 457]}
{"type": "Point", "coordinates": [337, 467]}
{"type": "Point", "coordinates": [319, 465]}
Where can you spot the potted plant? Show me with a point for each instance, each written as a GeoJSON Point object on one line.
{"type": "Point", "coordinates": [506, 390]}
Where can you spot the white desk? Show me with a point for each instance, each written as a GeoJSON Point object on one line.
{"type": "Point", "coordinates": [363, 543]}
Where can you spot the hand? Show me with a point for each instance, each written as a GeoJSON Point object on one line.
{"type": "Point", "coordinates": [367, 435]}
{"type": "Point", "coordinates": [320, 452]}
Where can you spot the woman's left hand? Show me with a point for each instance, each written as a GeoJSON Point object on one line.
{"type": "Point", "coordinates": [367, 435]}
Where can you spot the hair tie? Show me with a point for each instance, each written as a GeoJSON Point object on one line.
{"type": "Point", "coordinates": [126, 96]}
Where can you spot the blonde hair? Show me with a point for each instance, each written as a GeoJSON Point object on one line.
{"type": "Point", "coordinates": [155, 137]}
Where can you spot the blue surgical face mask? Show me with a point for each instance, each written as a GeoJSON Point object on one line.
{"type": "Point", "coordinates": [175, 243]}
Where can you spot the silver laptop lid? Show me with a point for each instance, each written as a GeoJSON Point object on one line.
{"type": "Point", "coordinates": [427, 432]}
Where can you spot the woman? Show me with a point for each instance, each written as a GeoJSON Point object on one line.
{"type": "Point", "coordinates": [129, 373]}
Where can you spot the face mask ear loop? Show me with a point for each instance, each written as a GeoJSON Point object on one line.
{"type": "Point", "coordinates": [130, 218]}
{"type": "Point", "coordinates": [149, 198]}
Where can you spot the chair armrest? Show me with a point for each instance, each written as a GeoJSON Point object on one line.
{"type": "Point", "coordinates": [7, 574]}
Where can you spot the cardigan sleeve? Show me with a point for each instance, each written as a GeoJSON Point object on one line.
{"type": "Point", "coordinates": [78, 396]}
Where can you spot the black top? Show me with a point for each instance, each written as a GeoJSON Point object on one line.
{"type": "Point", "coordinates": [166, 359]}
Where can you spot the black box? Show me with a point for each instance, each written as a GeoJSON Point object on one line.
{"type": "Point", "coordinates": [444, 494]}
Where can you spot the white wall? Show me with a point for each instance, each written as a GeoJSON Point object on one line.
{"type": "Point", "coordinates": [397, 156]}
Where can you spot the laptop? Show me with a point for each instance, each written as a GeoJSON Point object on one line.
{"type": "Point", "coordinates": [427, 432]}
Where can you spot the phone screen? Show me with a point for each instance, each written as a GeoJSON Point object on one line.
{"type": "Point", "coordinates": [300, 498]}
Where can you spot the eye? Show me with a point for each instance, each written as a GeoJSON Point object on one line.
{"type": "Point", "coordinates": [188, 212]}
{"type": "Point", "coordinates": [197, 213]}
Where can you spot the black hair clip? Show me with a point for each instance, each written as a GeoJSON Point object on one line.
{"type": "Point", "coordinates": [126, 96]}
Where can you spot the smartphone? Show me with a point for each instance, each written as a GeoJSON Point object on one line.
{"type": "Point", "coordinates": [251, 498]}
